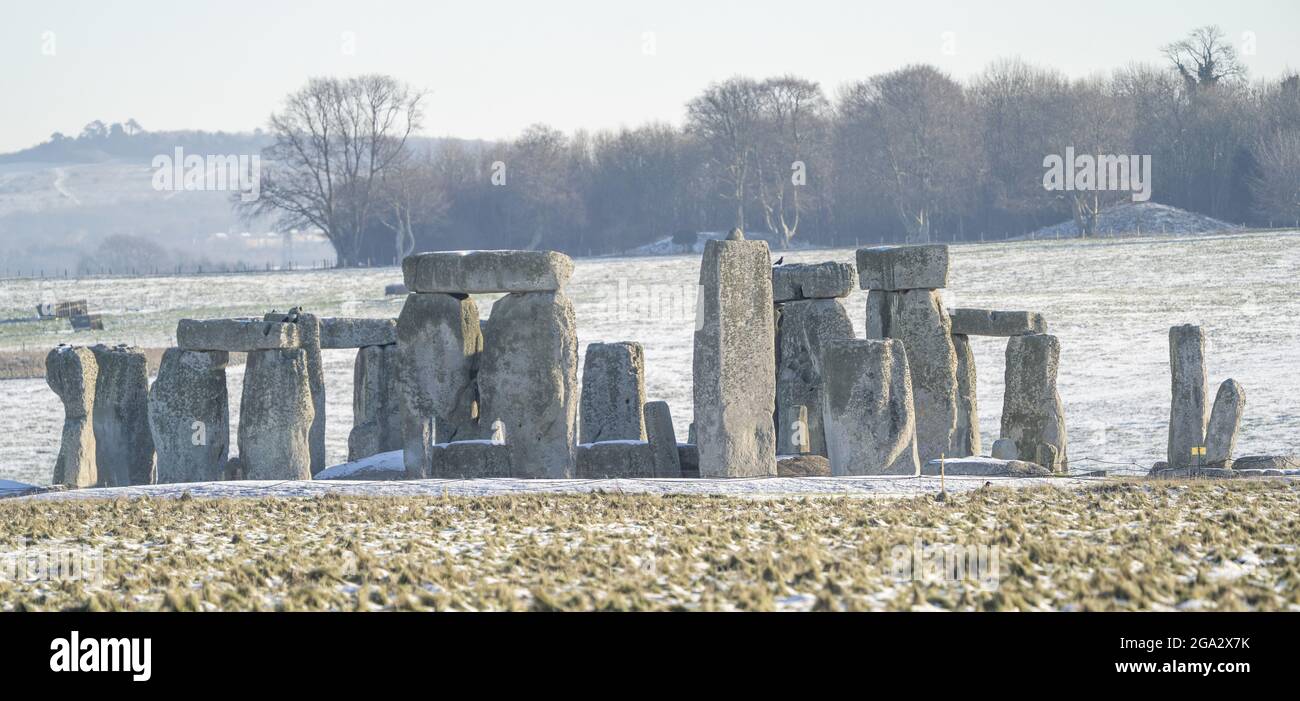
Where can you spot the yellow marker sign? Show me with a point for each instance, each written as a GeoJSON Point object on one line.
{"type": "Point", "coordinates": [1198, 450]}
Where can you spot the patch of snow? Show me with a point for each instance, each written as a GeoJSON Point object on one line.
{"type": "Point", "coordinates": [381, 467]}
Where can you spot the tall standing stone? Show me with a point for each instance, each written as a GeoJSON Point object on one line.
{"type": "Point", "coordinates": [1225, 420]}
{"type": "Point", "coordinates": [662, 438]}
{"type": "Point", "coordinates": [124, 451]}
{"type": "Point", "coordinates": [1188, 411]}
{"type": "Point", "coordinates": [734, 366]}
{"type": "Point", "coordinates": [528, 380]}
{"type": "Point", "coordinates": [613, 392]}
{"type": "Point", "coordinates": [310, 328]}
{"type": "Point", "coordinates": [870, 423]}
{"type": "Point", "coordinates": [376, 407]}
{"type": "Point", "coordinates": [72, 373]}
{"type": "Point", "coordinates": [275, 416]}
{"type": "Point", "coordinates": [966, 439]}
{"type": "Point", "coordinates": [1032, 414]}
{"type": "Point", "coordinates": [189, 416]}
{"type": "Point", "coordinates": [803, 328]}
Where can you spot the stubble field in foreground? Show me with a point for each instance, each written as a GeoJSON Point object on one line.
{"type": "Point", "coordinates": [1117, 546]}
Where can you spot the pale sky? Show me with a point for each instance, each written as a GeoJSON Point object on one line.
{"type": "Point", "coordinates": [495, 66]}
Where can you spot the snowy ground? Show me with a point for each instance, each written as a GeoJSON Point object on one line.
{"type": "Point", "coordinates": [1111, 302]}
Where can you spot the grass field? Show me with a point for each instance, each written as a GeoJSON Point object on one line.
{"type": "Point", "coordinates": [1118, 546]}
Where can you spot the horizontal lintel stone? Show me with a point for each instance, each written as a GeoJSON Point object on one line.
{"type": "Point", "coordinates": [473, 272]}
{"type": "Point", "coordinates": [235, 335]}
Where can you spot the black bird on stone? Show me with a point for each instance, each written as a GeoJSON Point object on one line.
{"type": "Point", "coordinates": [779, 261]}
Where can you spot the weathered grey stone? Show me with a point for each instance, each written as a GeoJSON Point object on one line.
{"type": "Point", "coordinates": [472, 459]}
{"type": "Point", "coordinates": [826, 280]}
{"type": "Point", "coordinates": [792, 430]}
{"type": "Point", "coordinates": [966, 439]}
{"type": "Point", "coordinates": [986, 322]}
{"type": "Point", "coordinates": [439, 344]}
{"type": "Point", "coordinates": [903, 267]}
{"type": "Point", "coordinates": [1195, 473]}
{"type": "Point", "coordinates": [1005, 449]}
{"type": "Point", "coordinates": [72, 374]}
{"type": "Point", "coordinates": [615, 460]}
{"type": "Point", "coordinates": [803, 466]}
{"type": "Point", "coordinates": [1266, 462]}
{"type": "Point", "coordinates": [689, 455]}
{"type": "Point", "coordinates": [275, 415]}
{"type": "Point", "coordinates": [382, 466]}
{"type": "Point", "coordinates": [734, 365]}
{"type": "Point", "coordinates": [376, 407]}
{"type": "Point", "coordinates": [975, 466]}
{"type": "Point", "coordinates": [690, 433]}
{"type": "Point", "coordinates": [310, 328]}
{"type": "Point", "coordinates": [235, 335]}
{"type": "Point", "coordinates": [349, 332]}
{"type": "Point", "coordinates": [736, 234]}
{"type": "Point", "coordinates": [919, 320]}
{"type": "Point", "coordinates": [124, 452]}
{"type": "Point", "coordinates": [868, 412]}
{"type": "Point", "coordinates": [395, 288]}
{"type": "Point", "coordinates": [1031, 406]}
{"type": "Point", "coordinates": [1225, 419]}
{"type": "Point", "coordinates": [470, 272]}
{"type": "Point", "coordinates": [1188, 411]}
{"type": "Point", "coordinates": [802, 329]}
{"type": "Point", "coordinates": [662, 439]}
{"type": "Point", "coordinates": [613, 392]}
{"type": "Point", "coordinates": [189, 416]}
{"type": "Point", "coordinates": [528, 380]}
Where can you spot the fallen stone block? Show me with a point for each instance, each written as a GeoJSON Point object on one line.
{"type": "Point", "coordinates": [966, 438]}
{"type": "Point", "coordinates": [1225, 420]}
{"type": "Point", "coordinates": [72, 373]}
{"type": "Point", "coordinates": [802, 329]}
{"type": "Point", "coordinates": [662, 438]}
{"type": "Point", "coordinates": [1005, 449]}
{"type": "Point", "coordinates": [987, 322]}
{"type": "Point", "coordinates": [1195, 473]}
{"type": "Point", "coordinates": [382, 466]}
{"type": "Point", "coordinates": [344, 332]}
{"type": "Point", "coordinates": [984, 467]}
{"type": "Point", "coordinates": [827, 280]}
{"type": "Point", "coordinates": [1188, 411]}
{"type": "Point", "coordinates": [1032, 414]}
{"type": "Point", "coordinates": [189, 416]}
{"type": "Point", "coordinates": [1267, 462]}
{"type": "Point", "coordinates": [615, 460]}
{"type": "Point", "coordinates": [472, 272]}
{"type": "Point", "coordinates": [235, 335]}
{"type": "Point", "coordinates": [472, 459]}
{"type": "Point", "coordinates": [275, 415]}
{"type": "Point", "coordinates": [803, 466]}
{"type": "Point", "coordinates": [613, 392]}
{"type": "Point", "coordinates": [896, 268]}
{"type": "Point", "coordinates": [868, 414]}
{"type": "Point", "coordinates": [689, 456]}
{"type": "Point", "coordinates": [124, 453]}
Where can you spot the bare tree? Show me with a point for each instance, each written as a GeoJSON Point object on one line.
{"type": "Point", "coordinates": [726, 119]}
{"type": "Point", "coordinates": [1277, 188]}
{"type": "Point", "coordinates": [1204, 58]}
{"type": "Point", "coordinates": [793, 114]}
{"type": "Point", "coordinates": [335, 140]}
{"type": "Point", "coordinates": [412, 198]}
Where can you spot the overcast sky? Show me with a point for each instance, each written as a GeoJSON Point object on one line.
{"type": "Point", "coordinates": [493, 67]}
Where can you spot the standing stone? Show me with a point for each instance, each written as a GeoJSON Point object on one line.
{"type": "Point", "coordinates": [72, 373]}
{"type": "Point", "coordinates": [613, 392]}
{"type": "Point", "coordinates": [376, 407]}
{"type": "Point", "coordinates": [1225, 419]}
{"type": "Point", "coordinates": [792, 430]}
{"type": "Point", "coordinates": [309, 336]}
{"type": "Point", "coordinates": [189, 416]}
{"type": "Point", "coordinates": [663, 440]}
{"type": "Point", "coordinates": [438, 343]}
{"type": "Point", "coordinates": [734, 366]}
{"type": "Point", "coordinates": [919, 320]}
{"type": "Point", "coordinates": [1188, 411]}
{"type": "Point", "coordinates": [966, 439]}
{"type": "Point", "coordinates": [870, 423]}
{"type": "Point", "coordinates": [802, 330]}
{"type": "Point", "coordinates": [1031, 406]}
{"type": "Point", "coordinates": [528, 380]}
{"type": "Point", "coordinates": [275, 416]}
{"type": "Point", "coordinates": [124, 451]}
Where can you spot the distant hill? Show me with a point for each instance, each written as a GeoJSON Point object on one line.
{"type": "Point", "coordinates": [137, 147]}
{"type": "Point", "coordinates": [1140, 219]}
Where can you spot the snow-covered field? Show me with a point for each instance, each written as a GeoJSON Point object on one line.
{"type": "Point", "coordinates": [1110, 301]}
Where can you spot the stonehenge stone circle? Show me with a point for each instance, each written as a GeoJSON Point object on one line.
{"type": "Point", "coordinates": [662, 438]}
{"type": "Point", "coordinates": [124, 453]}
{"type": "Point", "coordinates": [966, 439]}
{"type": "Point", "coordinates": [897, 268]}
{"type": "Point", "coordinates": [868, 414]}
{"type": "Point", "coordinates": [376, 407]}
{"type": "Point", "coordinates": [613, 392]}
{"type": "Point", "coordinates": [189, 416]}
{"type": "Point", "coordinates": [1225, 419]}
{"type": "Point", "coordinates": [528, 380]}
{"type": "Point", "coordinates": [235, 335]}
{"type": "Point", "coordinates": [734, 363]}
{"type": "Point", "coordinates": [357, 332]}
{"type": "Point", "coordinates": [1188, 411]}
{"type": "Point", "coordinates": [803, 328]}
{"type": "Point", "coordinates": [828, 280]}
{"type": "Point", "coordinates": [473, 272]}
{"type": "Point", "coordinates": [72, 373]}
{"type": "Point", "coordinates": [275, 416]}
{"type": "Point", "coordinates": [1032, 415]}
{"type": "Point", "coordinates": [986, 322]}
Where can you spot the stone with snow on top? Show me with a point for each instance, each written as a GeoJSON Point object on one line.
{"type": "Point", "coordinates": [472, 272]}
{"type": "Point", "coordinates": [985, 467]}
{"type": "Point", "coordinates": [383, 466]}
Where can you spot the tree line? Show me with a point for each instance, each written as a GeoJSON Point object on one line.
{"type": "Point", "coordinates": [907, 155]}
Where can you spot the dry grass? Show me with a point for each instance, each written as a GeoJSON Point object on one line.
{"type": "Point", "coordinates": [1123, 546]}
